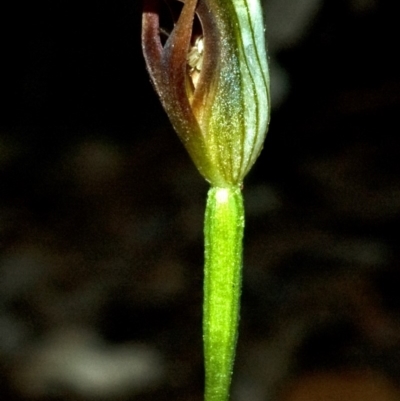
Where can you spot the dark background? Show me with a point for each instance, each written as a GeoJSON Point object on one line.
{"type": "Point", "coordinates": [101, 211]}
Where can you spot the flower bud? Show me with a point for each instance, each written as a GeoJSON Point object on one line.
{"type": "Point", "coordinates": [213, 84]}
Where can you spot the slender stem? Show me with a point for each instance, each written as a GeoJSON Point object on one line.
{"type": "Point", "coordinates": [224, 224]}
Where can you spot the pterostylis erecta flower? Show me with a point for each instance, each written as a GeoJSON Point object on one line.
{"type": "Point", "coordinates": [212, 81]}
{"type": "Point", "coordinates": [210, 72]}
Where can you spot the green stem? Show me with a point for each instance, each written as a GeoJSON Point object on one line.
{"type": "Point", "coordinates": [224, 224]}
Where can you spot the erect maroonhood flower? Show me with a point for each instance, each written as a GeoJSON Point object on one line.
{"type": "Point", "coordinates": [213, 82]}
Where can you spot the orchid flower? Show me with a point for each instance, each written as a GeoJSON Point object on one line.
{"type": "Point", "coordinates": [219, 108]}
{"type": "Point", "coordinates": [212, 78]}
